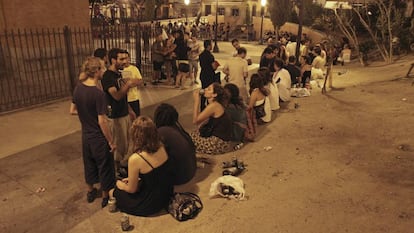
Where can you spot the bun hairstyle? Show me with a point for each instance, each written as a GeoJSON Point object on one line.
{"type": "Point", "coordinates": [144, 135]}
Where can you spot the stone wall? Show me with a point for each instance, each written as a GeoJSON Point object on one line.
{"type": "Point", "coordinates": [43, 14]}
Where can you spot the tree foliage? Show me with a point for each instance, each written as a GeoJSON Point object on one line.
{"type": "Point", "coordinates": [280, 12]}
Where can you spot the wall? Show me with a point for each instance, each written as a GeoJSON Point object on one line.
{"type": "Point", "coordinates": [43, 13]}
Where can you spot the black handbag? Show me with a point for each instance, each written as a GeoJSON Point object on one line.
{"type": "Point", "coordinates": [184, 206]}
{"type": "Point", "coordinates": [260, 110]}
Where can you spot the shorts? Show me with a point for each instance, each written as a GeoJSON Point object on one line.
{"type": "Point", "coordinates": [157, 65]}
{"type": "Point", "coordinates": [183, 66]}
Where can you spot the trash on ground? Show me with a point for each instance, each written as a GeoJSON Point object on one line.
{"type": "Point", "coordinates": [40, 190]}
{"type": "Point", "coordinates": [267, 148]}
{"type": "Point", "coordinates": [229, 187]}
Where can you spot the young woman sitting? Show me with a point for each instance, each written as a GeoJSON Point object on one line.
{"type": "Point", "coordinates": [214, 134]}
{"type": "Point", "coordinates": [243, 122]}
{"type": "Point", "coordinates": [259, 100]}
{"type": "Point", "coordinates": [148, 187]}
{"type": "Point", "coordinates": [178, 143]}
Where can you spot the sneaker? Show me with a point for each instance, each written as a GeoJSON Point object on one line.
{"type": "Point", "coordinates": [104, 202]}
{"type": "Point", "coordinates": [91, 196]}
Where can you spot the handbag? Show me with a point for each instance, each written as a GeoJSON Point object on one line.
{"type": "Point", "coordinates": [206, 130]}
{"type": "Point", "coordinates": [260, 111]}
{"type": "Point", "coordinates": [184, 206]}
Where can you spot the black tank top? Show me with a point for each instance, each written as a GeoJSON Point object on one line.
{"type": "Point", "coordinates": [222, 126]}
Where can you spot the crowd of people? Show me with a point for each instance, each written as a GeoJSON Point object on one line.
{"type": "Point", "coordinates": [138, 159]}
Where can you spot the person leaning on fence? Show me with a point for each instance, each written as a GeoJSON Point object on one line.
{"type": "Point", "coordinates": [181, 52]}
{"type": "Point", "coordinates": [121, 113]}
{"type": "Point", "coordinates": [148, 187]}
{"type": "Point", "coordinates": [178, 143]}
{"type": "Point", "coordinates": [215, 126]}
{"type": "Point", "coordinates": [158, 53]}
{"type": "Point", "coordinates": [89, 103]}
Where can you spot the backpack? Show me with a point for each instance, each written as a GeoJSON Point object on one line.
{"type": "Point", "coordinates": [184, 206]}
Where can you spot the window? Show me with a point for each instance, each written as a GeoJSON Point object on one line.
{"type": "Point", "coordinates": [235, 12]}
{"type": "Point", "coordinates": [221, 10]}
{"type": "Point", "coordinates": [254, 10]}
{"type": "Point", "coordinates": [208, 10]}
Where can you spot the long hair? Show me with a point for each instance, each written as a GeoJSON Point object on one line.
{"type": "Point", "coordinates": [222, 96]}
{"type": "Point", "coordinates": [257, 81]}
{"type": "Point", "coordinates": [264, 72]}
{"type": "Point", "coordinates": [91, 66]}
{"type": "Point", "coordinates": [166, 115]}
{"type": "Point", "coordinates": [234, 93]}
{"type": "Point", "coordinates": [144, 135]}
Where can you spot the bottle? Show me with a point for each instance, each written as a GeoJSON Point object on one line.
{"type": "Point", "coordinates": [112, 205]}
{"type": "Point", "coordinates": [109, 111]}
{"type": "Point", "coordinates": [125, 222]}
{"type": "Point", "coordinates": [238, 146]}
{"type": "Point", "coordinates": [201, 92]}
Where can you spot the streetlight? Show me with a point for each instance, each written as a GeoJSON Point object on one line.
{"type": "Point", "coordinates": [186, 2]}
{"type": "Point", "coordinates": [216, 48]}
{"type": "Point", "coordinates": [263, 4]}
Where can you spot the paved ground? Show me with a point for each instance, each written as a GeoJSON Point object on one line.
{"type": "Point", "coordinates": [296, 187]}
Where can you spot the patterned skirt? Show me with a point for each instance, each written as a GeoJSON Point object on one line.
{"type": "Point", "coordinates": [211, 145]}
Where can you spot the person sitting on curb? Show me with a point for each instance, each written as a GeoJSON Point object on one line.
{"type": "Point", "coordinates": [259, 100]}
{"type": "Point", "coordinates": [243, 124]}
{"type": "Point", "coordinates": [214, 134]}
{"type": "Point", "coordinates": [148, 187]}
{"type": "Point", "coordinates": [282, 79]}
{"type": "Point", "coordinates": [178, 143]}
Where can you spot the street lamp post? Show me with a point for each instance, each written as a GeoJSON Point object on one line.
{"type": "Point", "coordinates": [216, 48]}
{"type": "Point", "coordinates": [263, 4]}
{"type": "Point", "coordinates": [186, 2]}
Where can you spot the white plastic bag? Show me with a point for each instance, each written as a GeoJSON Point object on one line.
{"type": "Point", "coordinates": [299, 92]}
{"type": "Point", "coordinates": [236, 185]}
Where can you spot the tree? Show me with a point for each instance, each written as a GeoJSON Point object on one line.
{"type": "Point", "coordinates": [382, 20]}
{"type": "Point", "coordinates": [280, 13]}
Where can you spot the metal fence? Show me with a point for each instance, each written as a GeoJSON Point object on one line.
{"type": "Point", "coordinates": [41, 65]}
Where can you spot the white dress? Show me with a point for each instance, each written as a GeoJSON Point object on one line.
{"type": "Point", "coordinates": [267, 109]}
{"type": "Point", "coordinates": [273, 96]}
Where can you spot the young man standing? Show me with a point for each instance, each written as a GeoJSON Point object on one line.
{"type": "Point", "coordinates": [236, 71]}
{"type": "Point", "coordinates": [89, 103]}
{"type": "Point", "coordinates": [208, 66]}
{"type": "Point", "coordinates": [120, 113]}
{"type": "Point", "coordinates": [131, 72]}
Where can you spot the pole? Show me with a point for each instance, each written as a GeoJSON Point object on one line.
{"type": "Point", "coordinates": [216, 48]}
{"type": "Point", "coordinates": [261, 26]}
{"type": "Point", "coordinates": [299, 38]}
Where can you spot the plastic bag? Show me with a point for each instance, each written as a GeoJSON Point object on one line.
{"type": "Point", "coordinates": [228, 186]}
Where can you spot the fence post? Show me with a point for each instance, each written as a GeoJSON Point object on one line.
{"type": "Point", "coordinates": [138, 46]}
{"type": "Point", "coordinates": [67, 35]}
